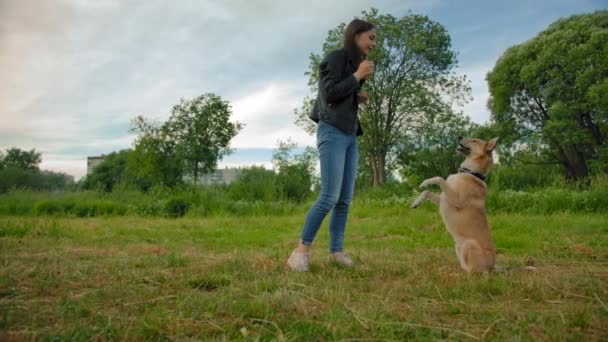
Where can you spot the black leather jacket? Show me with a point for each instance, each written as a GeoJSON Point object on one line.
{"type": "Point", "coordinates": [336, 101]}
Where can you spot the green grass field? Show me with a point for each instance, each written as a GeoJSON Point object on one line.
{"type": "Point", "coordinates": [224, 278]}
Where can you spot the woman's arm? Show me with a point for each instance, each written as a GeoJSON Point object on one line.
{"type": "Point", "coordinates": [334, 88]}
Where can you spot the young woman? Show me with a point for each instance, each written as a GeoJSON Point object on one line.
{"type": "Point", "coordinates": [341, 75]}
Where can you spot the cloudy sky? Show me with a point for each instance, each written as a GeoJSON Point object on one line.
{"type": "Point", "coordinates": [74, 72]}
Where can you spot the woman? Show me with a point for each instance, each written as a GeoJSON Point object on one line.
{"type": "Point", "coordinates": [341, 75]}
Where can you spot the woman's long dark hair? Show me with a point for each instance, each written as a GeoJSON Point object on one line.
{"type": "Point", "coordinates": [355, 27]}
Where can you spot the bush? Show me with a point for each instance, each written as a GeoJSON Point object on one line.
{"type": "Point", "coordinates": [295, 182]}
{"type": "Point", "coordinates": [548, 201]}
{"type": "Point", "coordinates": [48, 207]}
{"type": "Point", "coordinates": [255, 184]}
{"type": "Point", "coordinates": [149, 207]}
{"type": "Point", "coordinates": [176, 207]}
{"type": "Point", "coordinates": [16, 178]}
{"type": "Point", "coordinates": [79, 208]}
{"type": "Point", "coordinates": [522, 177]}
{"type": "Point", "coordinates": [216, 200]}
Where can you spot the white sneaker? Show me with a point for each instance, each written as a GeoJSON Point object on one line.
{"type": "Point", "coordinates": [298, 261]}
{"type": "Point", "coordinates": [341, 259]}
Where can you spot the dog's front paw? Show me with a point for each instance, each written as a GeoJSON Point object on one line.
{"type": "Point", "coordinates": [419, 200]}
{"type": "Point", "coordinates": [430, 181]}
{"type": "Point", "coordinates": [426, 183]}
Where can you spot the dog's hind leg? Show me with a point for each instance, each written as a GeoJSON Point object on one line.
{"type": "Point", "coordinates": [426, 195]}
{"type": "Point", "coordinates": [472, 257]}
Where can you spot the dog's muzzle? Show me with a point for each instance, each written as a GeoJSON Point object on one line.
{"type": "Point", "coordinates": [462, 148]}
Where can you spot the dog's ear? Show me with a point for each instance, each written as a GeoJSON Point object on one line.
{"type": "Point", "coordinates": [491, 144]}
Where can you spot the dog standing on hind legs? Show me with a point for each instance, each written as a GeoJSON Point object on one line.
{"type": "Point", "coordinates": [462, 205]}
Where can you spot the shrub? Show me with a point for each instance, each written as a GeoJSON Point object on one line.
{"type": "Point", "coordinates": [176, 207]}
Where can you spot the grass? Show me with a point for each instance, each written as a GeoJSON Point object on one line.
{"type": "Point", "coordinates": [217, 278]}
{"type": "Point", "coordinates": [217, 201]}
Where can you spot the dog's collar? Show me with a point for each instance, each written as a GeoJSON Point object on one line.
{"type": "Point", "coordinates": [476, 174]}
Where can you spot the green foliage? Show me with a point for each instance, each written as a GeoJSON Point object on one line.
{"type": "Point", "coordinates": [255, 184]}
{"type": "Point", "coordinates": [524, 177]}
{"type": "Point", "coordinates": [155, 159]}
{"type": "Point", "coordinates": [177, 206]}
{"type": "Point", "coordinates": [83, 208]}
{"type": "Point", "coordinates": [25, 160]}
{"type": "Point", "coordinates": [201, 130]}
{"type": "Point", "coordinates": [295, 177]}
{"type": "Point", "coordinates": [295, 181]}
{"type": "Point", "coordinates": [112, 171]}
{"type": "Point", "coordinates": [188, 145]}
{"type": "Point", "coordinates": [48, 208]}
{"type": "Point", "coordinates": [12, 177]}
{"type": "Point", "coordinates": [549, 201]}
{"type": "Point", "coordinates": [510, 192]}
{"type": "Point", "coordinates": [429, 148]}
{"type": "Point", "coordinates": [548, 94]}
{"type": "Point", "coordinates": [19, 169]}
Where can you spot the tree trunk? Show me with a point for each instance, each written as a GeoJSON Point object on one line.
{"type": "Point", "coordinates": [378, 164]}
{"type": "Point", "coordinates": [585, 121]}
{"type": "Point", "coordinates": [573, 162]}
{"type": "Point", "coordinates": [195, 175]}
{"type": "Point", "coordinates": [575, 165]}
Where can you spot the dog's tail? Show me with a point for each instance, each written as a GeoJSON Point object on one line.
{"type": "Point", "coordinates": [500, 269]}
{"type": "Point", "coordinates": [527, 267]}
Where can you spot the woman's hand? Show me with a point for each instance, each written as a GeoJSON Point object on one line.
{"type": "Point", "coordinates": [366, 68]}
{"type": "Point", "coordinates": [362, 97]}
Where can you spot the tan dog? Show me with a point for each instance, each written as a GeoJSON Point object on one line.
{"type": "Point", "coordinates": [462, 205]}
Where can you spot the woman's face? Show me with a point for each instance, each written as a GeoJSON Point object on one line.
{"type": "Point", "coordinates": [366, 41]}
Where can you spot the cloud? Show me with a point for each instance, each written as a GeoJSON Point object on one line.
{"type": "Point", "coordinates": [477, 109]}
{"type": "Point", "coordinates": [74, 72]}
{"type": "Point", "coordinates": [268, 116]}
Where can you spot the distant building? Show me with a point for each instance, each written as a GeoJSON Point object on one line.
{"type": "Point", "coordinates": [94, 161]}
{"type": "Point", "coordinates": [218, 176]}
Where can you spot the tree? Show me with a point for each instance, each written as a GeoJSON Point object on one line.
{"type": "Point", "coordinates": [202, 131]}
{"type": "Point", "coordinates": [414, 77]}
{"type": "Point", "coordinates": [296, 172]}
{"type": "Point", "coordinates": [113, 170]}
{"type": "Point", "coordinates": [26, 160]}
{"type": "Point", "coordinates": [429, 150]}
{"type": "Point", "coordinates": [551, 91]}
{"type": "Point", "coordinates": [155, 160]}
{"type": "Point", "coordinates": [190, 143]}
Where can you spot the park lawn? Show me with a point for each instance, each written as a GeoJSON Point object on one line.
{"type": "Point", "coordinates": [224, 278]}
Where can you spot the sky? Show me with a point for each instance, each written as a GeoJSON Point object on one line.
{"type": "Point", "coordinates": [75, 72]}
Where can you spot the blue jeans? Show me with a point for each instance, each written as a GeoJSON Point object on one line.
{"type": "Point", "coordinates": [339, 154]}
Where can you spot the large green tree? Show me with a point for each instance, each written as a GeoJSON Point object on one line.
{"type": "Point", "coordinates": [26, 160]}
{"type": "Point", "coordinates": [190, 143]}
{"type": "Point", "coordinates": [202, 130]}
{"type": "Point", "coordinates": [155, 160]}
{"type": "Point", "coordinates": [414, 77]}
{"type": "Point", "coordinates": [549, 93]}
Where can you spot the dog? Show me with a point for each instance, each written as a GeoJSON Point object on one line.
{"type": "Point", "coordinates": [462, 205]}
